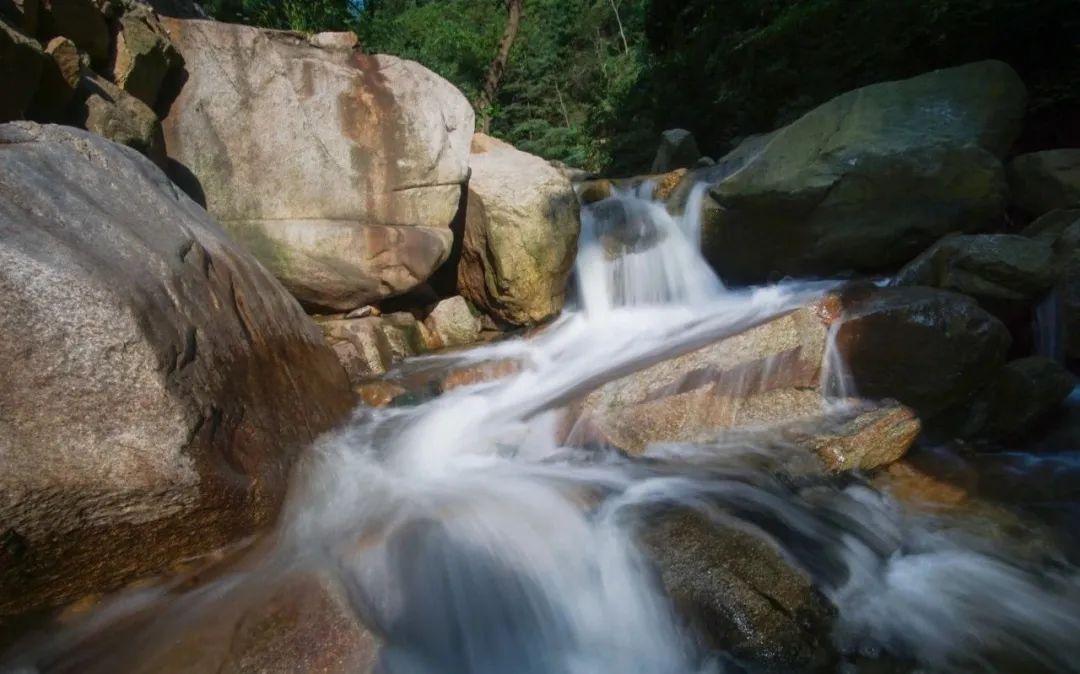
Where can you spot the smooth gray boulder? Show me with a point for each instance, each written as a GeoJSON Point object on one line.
{"type": "Point", "coordinates": [992, 268]}
{"type": "Point", "coordinates": [867, 180]}
{"type": "Point", "coordinates": [1044, 181]}
{"type": "Point", "coordinates": [158, 382]}
{"type": "Point", "coordinates": [341, 171]}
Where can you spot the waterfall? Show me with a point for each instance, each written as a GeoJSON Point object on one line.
{"type": "Point", "coordinates": [476, 543]}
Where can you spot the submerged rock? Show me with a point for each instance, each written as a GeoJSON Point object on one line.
{"type": "Point", "coordinates": [158, 382]}
{"type": "Point", "coordinates": [521, 231]}
{"type": "Point", "coordinates": [930, 349]}
{"type": "Point", "coordinates": [340, 171]}
{"type": "Point", "coordinates": [1043, 181]}
{"type": "Point", "coordinates": [867, 180]}
{"type": "Point", "coordinates": [739, 593]}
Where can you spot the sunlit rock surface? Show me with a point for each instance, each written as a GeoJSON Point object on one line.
{"type": "Point", "coordinates": [520, 235]}
{"type": "Point", "coordinates": [158, 381]}
{"type": "Point", "coordinates": [867, 180]}
{"type": "Point", "coordinates": [340, 171]}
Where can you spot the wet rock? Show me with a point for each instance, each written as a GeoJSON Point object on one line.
{"type": "Point", "coordinates": [521, 231]}
{"type": "Point", "coordinates": [867, 180]}
{"type": "Point", "coordinates": [739, 593]}
{"type": "Point", "coordinates": [1044, 181]}
{"type": "Point", "coordinates": [361, 346]}
{"type": "Point", "coordinates": [929, 349]}
{"type": "Point", "coordinates": [300, 623]}
{"type": "Point", "coordinates": [1025, 392]}
{"type": "Point", "coordinates": [143, 56]}
{"type": "Point", "coordinates": [107, 110]}
{"type": "Point", "coordinates": [591, 191]}
{"type": "Point", "coordinates": [379, 393]}
{"type": "Point", "coordinates": [768, 374]}
{"type": "Point", "coordinates": [996, 269]}
{"type": "Point", "coordinates": [376, 147]}
{"type": "Point", "coordinates": [678, 150]}
{"type": "Point", "coordinates": [82, 22]}
{"type": "Point", "coordinates": [158, 382]}
{"type": "Point", "coordinates": [863, 439]}
{"type": "Point", "coordinates": [453, 323]}
{"type": "Point", "coordinates": [21, 64]}
{"type": "Point", "coordinates": [479, 373]}
{"type": "Point", "coordinates": [59, 79]}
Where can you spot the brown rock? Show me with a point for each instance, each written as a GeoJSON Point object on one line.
{"type": "Point", "coordinates": [143, 56]}
{"type": "Point", "coordinates": [927, 348]}
{"type": "Point", "coordinates": [59, 78]}
{"type": "Point", "coordinates": [379, 393]}
{"type": "Point", "coordinates": [453, 323]}
{"type": "Point", "coordinates": [521, 230]}
{"type": "Point", "coordinates": [105, 109]}
{"type": "Point", "coordinates": [865, 439]}
{"type": "Point", "coordinates": [768, 374]}
{"type": "Point", "coordinates": [739, 592]}
{"type": "Point", "coordinates": [340, 171]}
{"type": "Point", "coordinates": [158, 382]}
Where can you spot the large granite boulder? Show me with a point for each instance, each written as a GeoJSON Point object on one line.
{"type": "Point", "coordinates": [930, 349]}
{"type": "Point", "coordinates": [867, 180]}
{"type": "Point", "coordinates": [340, 171]}
{"type": "Point", "coordinates": [521, 231]}
{"type": "Point", "coordinates": [1043, 181]}
{"type": "Point", "coordinates": [158, 381]}
{"type": "Point", "coordinates": [996, 269]}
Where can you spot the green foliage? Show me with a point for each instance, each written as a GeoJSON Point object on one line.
{"type": "Point", "coordinates": [303, 15]}
{"type": "Point", "coordinates": [575, 91]}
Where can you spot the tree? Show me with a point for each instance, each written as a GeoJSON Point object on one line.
{"type": "Point", "coordinates": [498, 64]}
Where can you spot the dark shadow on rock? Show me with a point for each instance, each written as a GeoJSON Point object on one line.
{"type": "Point", "coordinates": [186, 180]}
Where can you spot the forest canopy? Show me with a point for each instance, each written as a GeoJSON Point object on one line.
{"type": "Point", "coordinates": [593, 82]}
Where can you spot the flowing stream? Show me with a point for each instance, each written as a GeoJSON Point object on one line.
{"type": "Point", "coordinates": [475, 542]}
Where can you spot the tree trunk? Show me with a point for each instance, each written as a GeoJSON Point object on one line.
{"type": "Point", "coordinates": [498, 64]}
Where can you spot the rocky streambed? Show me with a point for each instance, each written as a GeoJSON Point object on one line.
{"type": "Point", "coordinates": [301, 374]}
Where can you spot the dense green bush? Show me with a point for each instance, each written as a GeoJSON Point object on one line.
{"type": "Point", "coordinates": [581, 90]}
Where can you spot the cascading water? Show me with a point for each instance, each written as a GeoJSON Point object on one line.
{"type": "Point", "coordinates": [475, 543]}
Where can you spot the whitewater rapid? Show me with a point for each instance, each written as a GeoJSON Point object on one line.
{"type": "Point", "coordinates": [474, 542]}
